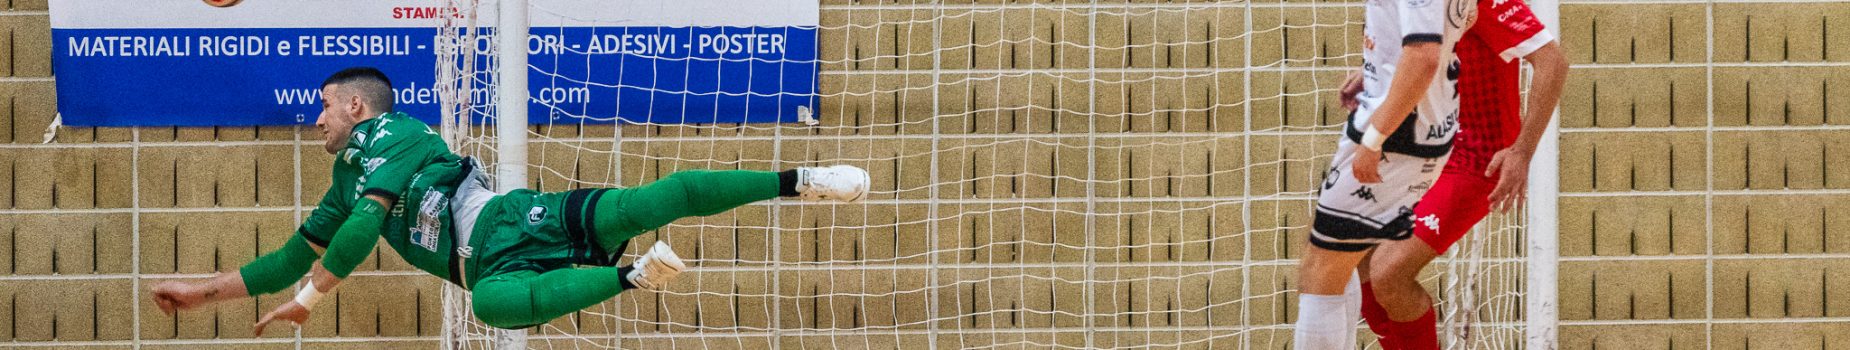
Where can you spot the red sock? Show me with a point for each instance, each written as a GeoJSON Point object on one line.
{"type": "Point", "coordinates": [1419, 334]}
{"type": "Point", "coordinates": [1377, 318]}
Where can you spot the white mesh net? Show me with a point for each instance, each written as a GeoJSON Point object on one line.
{"type": "Point", "coordinates": [1046, 175]}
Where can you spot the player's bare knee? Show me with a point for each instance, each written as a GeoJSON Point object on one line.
{"type": "Point", "coordinates": [1391, 275]}
{"type": "Point", "coordinates": [1326, 272]}
{"type": "Point", "coordinates": [1410, 257]}
{"type": "Point", "coordinates": [1390, 272]}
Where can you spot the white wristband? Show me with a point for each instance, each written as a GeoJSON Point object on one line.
{"type": "Point", "coordinates": [308, 295]}
{"type": "Point", "coordinates": [1372, 139]}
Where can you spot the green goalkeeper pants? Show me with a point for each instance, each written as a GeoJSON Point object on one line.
{"type": "Point", "coordinates": [539, 256]}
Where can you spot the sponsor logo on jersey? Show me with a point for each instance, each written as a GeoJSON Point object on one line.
{"type": "Point", "coordinates": [1504, 15]}
{"type": "Point", "coordinates": [1438, 131]}
{"type": "Point", "coordinates": [1444, 129]}
{"type": "Point", "coordinates": [536, 215]}
{"type": "Point", "coordinates": [373, 164]}
{"type": "Point", "coordinates": [429, 222]}
{"type": "Point", "coordinates": [1420, 187]}
{"type": "Point", "coordinates": [1329, 180]}
{"type": "Point", "coordinates": [1461, 13]}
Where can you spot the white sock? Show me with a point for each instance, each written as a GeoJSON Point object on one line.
{"type": "Point", "coordinates": [1352, 308]}
{"type": "Point", "coordinates": [1320, 323]}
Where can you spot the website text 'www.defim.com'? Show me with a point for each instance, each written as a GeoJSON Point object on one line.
{"type": "Point", "coordinates": [425, 95]}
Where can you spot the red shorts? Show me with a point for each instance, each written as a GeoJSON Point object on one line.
{"type": "Point", "coordinates": [1453, 205]}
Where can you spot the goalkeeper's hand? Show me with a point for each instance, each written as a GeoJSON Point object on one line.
{"type": "Point", "coordinates": [173, 296]}
{"type": "Point", "coordinates": [291, 311]}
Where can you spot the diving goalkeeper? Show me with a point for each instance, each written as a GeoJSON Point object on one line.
{"type": "Point", "coordinates": [527, 256]}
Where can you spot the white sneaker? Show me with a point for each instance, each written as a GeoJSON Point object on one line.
{"type": "Point", "coordinates": [845, 183]}
{"type": "Point", "coordinates": [655, 269]}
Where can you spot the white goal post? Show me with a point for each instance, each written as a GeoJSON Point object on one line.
{"type": "Point", "coordinates": [1543, 301]}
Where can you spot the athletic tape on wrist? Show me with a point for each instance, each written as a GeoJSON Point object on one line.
{"type": "Point", "coordinates": [308, 295]}
{"type": "Point", "coordinates": [1373, 138]}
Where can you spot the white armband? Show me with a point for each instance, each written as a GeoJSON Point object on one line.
{"type": "Point", "coordinates": [308, 295]}
{"type": "Point", "coordinates": [1372, 139]}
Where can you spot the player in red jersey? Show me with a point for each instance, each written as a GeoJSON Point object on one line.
{"type": "Point", "coordinates": [1488, 168]}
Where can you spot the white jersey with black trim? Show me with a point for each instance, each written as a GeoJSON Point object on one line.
{"type": "Point", "coordinates": [1391, 24]}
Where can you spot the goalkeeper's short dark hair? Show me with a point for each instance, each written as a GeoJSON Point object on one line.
{"type": "Point", "coordinates": [368, 83]}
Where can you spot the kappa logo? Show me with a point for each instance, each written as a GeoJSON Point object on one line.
{"type": "Point", "coordinates": [536, 215]}
{"type": "Point", "coordinates": [382, 134]}
{"type": "Point", "coordinates": [1365, 193]}
{"type": "Point", "coordinates": [1431, 221]}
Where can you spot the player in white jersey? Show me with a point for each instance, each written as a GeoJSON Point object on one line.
{"type": "Point", "coordinates": [1384, 161]}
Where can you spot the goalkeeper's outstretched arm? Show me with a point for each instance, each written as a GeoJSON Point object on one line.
{"type": "Point", "coordinates": [278, 269]}
{"type": "Point", "coordinates": [293, 259]}
{"type": "Point", "coordinates": [350, 246]}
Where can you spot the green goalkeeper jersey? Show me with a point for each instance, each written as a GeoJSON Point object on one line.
{"type": "Point", "coordinates": [399, 157]}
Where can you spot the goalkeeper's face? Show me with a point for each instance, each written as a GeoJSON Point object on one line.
{"type": "Point", "coordinates": [339, 112]}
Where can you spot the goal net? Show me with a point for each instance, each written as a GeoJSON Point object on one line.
{"type": "Point", "coordinates": [1045, 175]}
